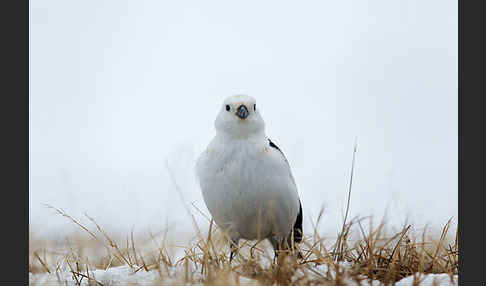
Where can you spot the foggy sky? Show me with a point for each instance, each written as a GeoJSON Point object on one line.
{"type": "Point", "coordinates": [121, 89]}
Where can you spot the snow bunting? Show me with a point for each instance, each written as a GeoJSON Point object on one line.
{"type": "Point", "coordinates": [246, 180]}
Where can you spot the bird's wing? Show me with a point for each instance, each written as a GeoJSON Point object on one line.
{"type": "Point", "coordinates": [298, 230]}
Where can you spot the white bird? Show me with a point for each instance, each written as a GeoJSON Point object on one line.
{"type": "Point", "coordinates": [246, 181]}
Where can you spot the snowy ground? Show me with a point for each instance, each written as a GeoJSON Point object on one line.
{"type": "Point", "coordinates": [124, 275]}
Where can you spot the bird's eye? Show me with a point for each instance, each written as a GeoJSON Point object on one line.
{"type": "Point", "coordinates": [227, 108]}
{"type": "Point", "coordinates": [254, 106]}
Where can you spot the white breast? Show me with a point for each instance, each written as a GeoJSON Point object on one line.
{"type": "Point", "coordinates": [248, 188]}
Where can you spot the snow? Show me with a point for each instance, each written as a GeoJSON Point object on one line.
{"type": "Point", "coordinates": [429, 279]}
{"type": "Point", "coordinates": [116, 276]}
{"type": "Point", "coordinates": [424, 280]}
{"type": "Point", "coordinates": [124, 275]}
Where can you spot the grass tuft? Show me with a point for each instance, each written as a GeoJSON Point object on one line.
{"type": "Point", "coordinates": [372, 254]}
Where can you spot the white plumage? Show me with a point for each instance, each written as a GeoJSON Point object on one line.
{"type": "Point", "coordinates": [246, 180]}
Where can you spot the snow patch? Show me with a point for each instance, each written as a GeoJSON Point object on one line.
{"type": "Point", "coordinates": [125, 276]}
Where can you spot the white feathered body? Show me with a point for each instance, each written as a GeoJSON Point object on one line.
{"type": "Point", "coordinates": [248, 187]}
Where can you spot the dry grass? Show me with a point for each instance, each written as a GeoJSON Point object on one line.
{"type": "Point", "coordinates": [358, 253]}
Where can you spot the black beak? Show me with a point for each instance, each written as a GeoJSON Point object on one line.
{"type": "Point", "coordinates": [242, 112]}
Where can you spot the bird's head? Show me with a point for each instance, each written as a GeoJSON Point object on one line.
{"type": "Point", "coordinates": [239, 117]}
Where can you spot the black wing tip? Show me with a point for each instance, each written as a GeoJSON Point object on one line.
{"type": "Point", "coordinates": [298, 233]}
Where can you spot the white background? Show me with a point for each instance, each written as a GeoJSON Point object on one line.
{"type": "Point", "coordinates": [119, 88]}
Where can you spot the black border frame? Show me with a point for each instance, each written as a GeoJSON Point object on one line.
{"type": "Point", "coordinates": [15, 117]}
